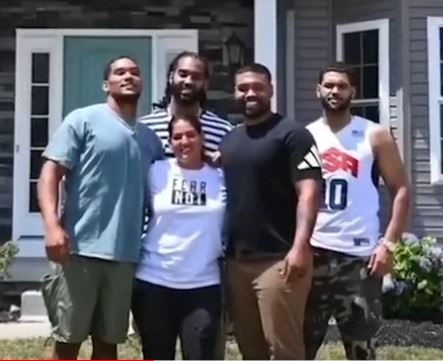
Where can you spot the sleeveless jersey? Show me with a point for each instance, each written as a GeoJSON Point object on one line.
{"type": "Point", "coordinates": [348, 219]}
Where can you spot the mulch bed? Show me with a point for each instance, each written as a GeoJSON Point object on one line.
{"type": "Point", "coordinates": [402, 333]}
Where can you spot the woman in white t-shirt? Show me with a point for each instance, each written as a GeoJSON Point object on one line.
{"type": "Point", "coordinates": [177, 291]}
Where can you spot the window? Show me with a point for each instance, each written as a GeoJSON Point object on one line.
{"type": "Point", "coordinates": [39, 121]}
{"type": "Point", "coordinates": [365, 47]}
{"type": "Point", "coordinates": [435, 83]}
{"type": "Point", "coordinates": [36, 117]}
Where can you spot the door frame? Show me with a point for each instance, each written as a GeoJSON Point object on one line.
{"type": "Point", "coordinates": [26, 226]}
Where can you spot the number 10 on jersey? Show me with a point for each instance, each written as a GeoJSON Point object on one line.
{"type": "Point", "coordinates": [334, 194]}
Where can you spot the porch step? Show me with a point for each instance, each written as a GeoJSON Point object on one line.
{"type": "Point", "coordinates": [32, 307]}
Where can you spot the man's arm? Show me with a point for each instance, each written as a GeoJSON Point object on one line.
{"type": "Point", "coordinates": [298, 259]}
{"type": "Point", "coordinates": [48, 192]}
{"type": "Point", "coordinates": [56, 240]}
{"type": "Point", "coordinates": [61, 154]}
{"type": "Point", "coordinates": [308, 193]}
{"type": "Point", "coordinates": [394, 176]}
{"type": "Point", "coordinates": [306, 175]}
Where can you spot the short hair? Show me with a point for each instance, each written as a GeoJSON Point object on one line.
{"type": "Point", "coordinates": [108, 66]}
{"type": "Point", "coordinates": [255, 68]}
{"type": "Point", "coordinates": [164, 101]}
{"type": "Point", "coordinates": [339, 67]}
{"type": "Point", "coordinates": [191, 119]}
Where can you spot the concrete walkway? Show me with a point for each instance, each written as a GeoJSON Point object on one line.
{"type": "Point", "coordinates": [21, 330]}
{"type": "Point", "coordinates": [29, 329]}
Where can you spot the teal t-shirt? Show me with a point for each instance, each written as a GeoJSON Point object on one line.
{"type": "Point", "coordinates": [105, 187]}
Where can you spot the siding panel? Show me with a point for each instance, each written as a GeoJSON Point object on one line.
{"type": "Point", "coordinates": [313, 42]}
{"type": "Point", "coordinates": [427, 202]}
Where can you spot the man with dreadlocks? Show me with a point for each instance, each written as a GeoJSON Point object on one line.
{"type": "Point", "coordinates": [185, 94]}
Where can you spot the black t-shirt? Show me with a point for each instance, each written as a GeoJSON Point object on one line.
{"type": "Point", "coordinates": [262, 163]}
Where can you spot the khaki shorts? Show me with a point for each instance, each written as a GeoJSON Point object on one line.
{"type": "Point", "coordinates": [89, 296]}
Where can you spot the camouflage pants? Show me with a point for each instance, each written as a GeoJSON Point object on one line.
{"type": "Point", "coordinates": [343, 289]}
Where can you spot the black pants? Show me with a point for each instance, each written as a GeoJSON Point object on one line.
{"type": "Point", "coordinates": [162, 314]}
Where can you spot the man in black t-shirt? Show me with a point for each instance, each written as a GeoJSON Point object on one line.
{"type": "Point", "coordinates": [272, 172]}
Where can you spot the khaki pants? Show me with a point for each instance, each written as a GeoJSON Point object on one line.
{"type": "Point", "coordinates": [267, 313]}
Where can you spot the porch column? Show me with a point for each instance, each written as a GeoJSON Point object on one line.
{"type": "Point", "coordinates": [265, 39]}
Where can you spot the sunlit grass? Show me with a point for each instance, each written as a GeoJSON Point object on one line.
{"type": "Point", "coordinates": [40, 348]}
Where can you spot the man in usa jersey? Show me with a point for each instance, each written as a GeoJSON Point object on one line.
{"type": "Point", "coordinates": [350, 258]}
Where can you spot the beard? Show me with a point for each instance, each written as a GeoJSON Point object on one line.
{"type": "Point", "coordinates": [254, 112]}
{"type": "Point", "coordinates": [193, 97]}
{"type": "Point", "coordinates": [130, 98]}
{"type": "Point", "coordinates": [343, 105]}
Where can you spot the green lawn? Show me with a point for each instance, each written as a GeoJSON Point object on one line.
{"type": "Point", "coordinates": [40, 349]}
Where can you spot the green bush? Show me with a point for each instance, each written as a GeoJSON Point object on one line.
{"type": "Point", "coordinates": [8, 251]}
{"type": "Point", "coordinates": [418, 277]}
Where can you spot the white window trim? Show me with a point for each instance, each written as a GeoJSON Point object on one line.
{"type": "Point", "coordinates": [290, 63]}
{"type": "Point", "coordinates": [27, 227]}
{"type": "Point", "coordinates": [24, 221]}
{"type": "Point", "coordinates": [435, 98]}
{"type": "Point", "coordinates": [265, 39]}
{"type": "Point", "coordinates": [382, 25]}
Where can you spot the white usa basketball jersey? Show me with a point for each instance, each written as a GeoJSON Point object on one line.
{"type": "Point", "coordinates": [348, 219]}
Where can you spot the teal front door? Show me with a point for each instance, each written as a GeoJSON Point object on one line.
{"type": "Point", "coordinates": [85, 59]}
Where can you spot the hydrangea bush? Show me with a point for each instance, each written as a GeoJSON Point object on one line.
{"type": "Point", "coordinates": [417, 288]}
{"type": "Point", "coordinates": [8, 251]}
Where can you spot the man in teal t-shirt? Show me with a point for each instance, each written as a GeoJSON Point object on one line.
{"type": "Point", "coordinates": [103, 154]}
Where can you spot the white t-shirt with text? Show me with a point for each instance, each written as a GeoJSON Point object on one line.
{"type": "Point", "coordinates": [184, 237]}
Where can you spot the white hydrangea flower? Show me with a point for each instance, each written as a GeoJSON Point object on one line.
{"type": "Point", "coordinates": [425, 264]}
{"type": "Point", "coordinates": [410, 238]}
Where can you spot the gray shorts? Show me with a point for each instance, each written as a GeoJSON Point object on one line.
{"type": "Point", "coordinates": [89, 296]}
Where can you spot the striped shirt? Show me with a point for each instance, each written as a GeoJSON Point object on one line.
{"type": "Point", "coordinates": [213, 126]}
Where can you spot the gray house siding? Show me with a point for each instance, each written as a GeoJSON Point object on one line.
{"type": "Point", "coordinates": [215, 20]}
{"type": "Point", "coordinates": [313, 50]}
{"type": "Point", "coordinates": [427, 203]}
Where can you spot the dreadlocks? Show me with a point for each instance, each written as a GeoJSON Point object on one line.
{"type": "Point", "coordinates": [165, 100]}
